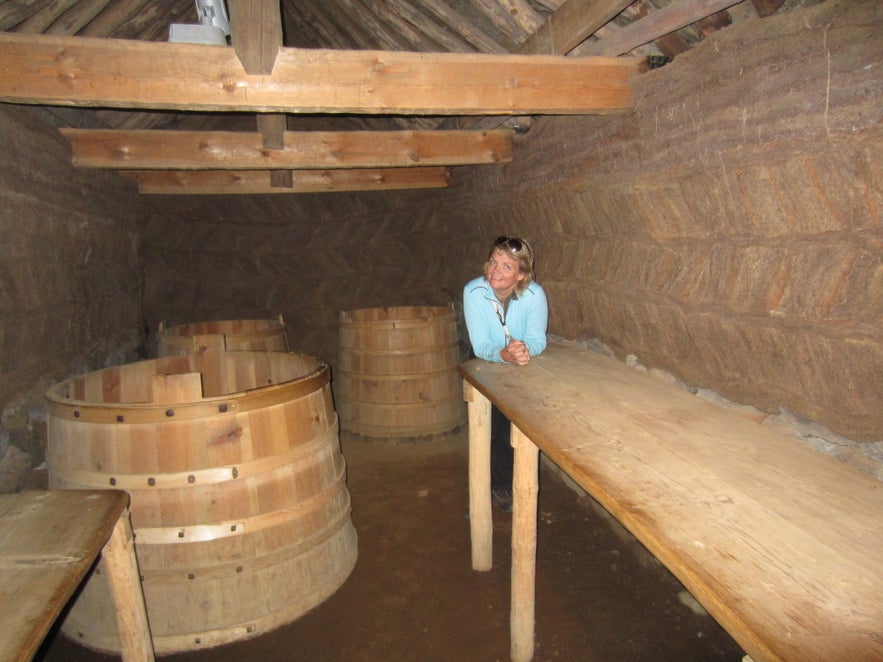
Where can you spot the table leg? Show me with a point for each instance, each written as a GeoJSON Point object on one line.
{"type": "Point", "coordinates": [480, 523]}
{"type": "Point", "coordinates": [525, 488]}
{"type": "Point", "coordinates": [136, 644]}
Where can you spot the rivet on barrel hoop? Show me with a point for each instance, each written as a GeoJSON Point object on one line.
{"type": "Point", "coordinates": [170, 412]}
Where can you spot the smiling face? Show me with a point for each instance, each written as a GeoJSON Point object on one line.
{"type": "Point", "coordinates": [503, 273]}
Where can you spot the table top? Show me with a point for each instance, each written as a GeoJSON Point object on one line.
{"type": "Point", "coordinates": [781, 544]}
{"type": "Point", "coordinates": [49, 541]}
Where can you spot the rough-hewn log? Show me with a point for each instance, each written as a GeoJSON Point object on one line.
{"type": "Point", "coordinates": [41, 69]}
{"type": "Point", "coordinates": [44, 17]}
{"type": "Point", "coordinates": [368, 14]}
{"type": "Point", "coordinates": [304, 181]}
{"type": "Point", "coordinates": [470, 32]}
{"type": "Point", "coordinates": [228, 150]}
{"type": "Point", "coordinates": [117, 13]}
{"type": "Point", "coordinates": [573, 22]}
{"type": "Point", "coordinates": [77, 17]}
{"type": "Point", "coordinates": [13, 13]}
{"type": "Point", "coordinates": [651, 27]}
{"type": "Point", "coordinates": [514, 18]}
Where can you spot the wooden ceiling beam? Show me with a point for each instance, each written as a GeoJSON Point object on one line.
{"type": "Point", "coordinates": [227, 150]}
{"type": "Point", "coordinates": [572, 23]}
{"type": "Point", "coordinates": [80, 71]}
{"type": "Point", "coordinates": [255, 182]}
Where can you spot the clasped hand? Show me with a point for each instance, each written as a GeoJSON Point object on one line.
{"type": "Point", "coordinates": [515, 352]}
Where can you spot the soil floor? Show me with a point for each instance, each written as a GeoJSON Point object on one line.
{"type": "Point", "coordinates": [600, 596]}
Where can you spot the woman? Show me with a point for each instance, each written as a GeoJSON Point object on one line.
{"type": "Point", "coordinates": [506, 315]}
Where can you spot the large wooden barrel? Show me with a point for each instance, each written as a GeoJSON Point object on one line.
{"type": "Point", "coordinates": [238, 502]}
{"type": "Point", "coordinates": [397, 372]}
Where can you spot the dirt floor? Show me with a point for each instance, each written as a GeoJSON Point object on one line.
{"type": "Point", "coordinates": [413, 595]}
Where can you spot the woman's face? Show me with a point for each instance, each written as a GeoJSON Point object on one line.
{"type": "Point", "coordinates": [503, 273]}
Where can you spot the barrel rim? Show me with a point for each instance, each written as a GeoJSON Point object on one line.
{"type": "Point", "coordinates": [271, 324]}
{"type": "Point", "coordinates": [217, 405]}
{"type": "Point", "coordinates": [353, 316]}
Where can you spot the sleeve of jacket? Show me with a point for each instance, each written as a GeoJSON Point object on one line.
{"type": "Point", "coordinates": [478, 324]}
{"type": "Point", "coordinates": [537, 320]}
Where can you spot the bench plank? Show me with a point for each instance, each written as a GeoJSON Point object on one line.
{"type": "Point", "coordinates": [49, 542]}
{"type": "Point", "coordinates": [781, 544]}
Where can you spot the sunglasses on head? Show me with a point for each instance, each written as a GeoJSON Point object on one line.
{"type": "Point", "coordinates": [509, 243]}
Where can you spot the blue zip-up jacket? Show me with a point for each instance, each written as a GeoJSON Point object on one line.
{"type": "Point", "coordinates": [527, 317]}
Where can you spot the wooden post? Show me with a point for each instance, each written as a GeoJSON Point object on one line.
{"type": "Point", "coordinates": [136, 644]}
{"type": "Point", "coordinates": [525, 488]}
{"type": "Point", "coordinates": [480, 523]}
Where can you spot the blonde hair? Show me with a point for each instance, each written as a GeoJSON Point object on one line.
{"type": "Point", "coordinates": [519, 249]}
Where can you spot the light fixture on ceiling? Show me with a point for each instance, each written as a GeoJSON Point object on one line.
{"type": "Point", "coordinates": [213, 28]}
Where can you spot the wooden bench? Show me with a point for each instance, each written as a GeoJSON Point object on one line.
{"type": "Point", "coordinates": [48, 543]}
{"type": "Point", "coordinates": [782, 545]}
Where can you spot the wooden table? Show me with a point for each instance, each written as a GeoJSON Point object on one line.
{"type": "Point", "coordinates": [782, 545]}
{"type": "Point", "coordinates": [48, 542]}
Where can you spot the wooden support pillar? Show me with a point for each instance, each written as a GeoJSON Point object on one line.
{"type": "Point", "coordinates": [480, 521]}
{"type": "Point", "coordinates": [256, 27]}
{"type": "Point", "coordinates": [525, 489]}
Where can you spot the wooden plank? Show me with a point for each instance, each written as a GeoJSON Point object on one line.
{"type": "Point", "coordinates": [448, 15]}
{"type": "Point", "coordinates": [13, 13]}
{"type": "Point", "coordinates": [118, 13]}
{"type": "Point", "coordinates": [227, 150]}
{"type": "Point", "coordinates": [173, 182]}
{"type": "Point", "coordinates": [516, 21]}
{"type": "Point", "coordinates": [780, 543]}
{"type": "Point", "coordinates": [572, 23]}
{"type": "Point", "coordinates": [46, 16]}
{"type": "Point", "coordinates": [563, 30]}
{"type": "Point", "coordinates": [77, 17]}
{"type": "Point", "coordinates": [428, 35]}
{"type": "Point", "coordinates": [82, 71]}
{"type": "Point", "coordinates": [49, 542]}
{"type": "Point", "coordinates": [653, 26]}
